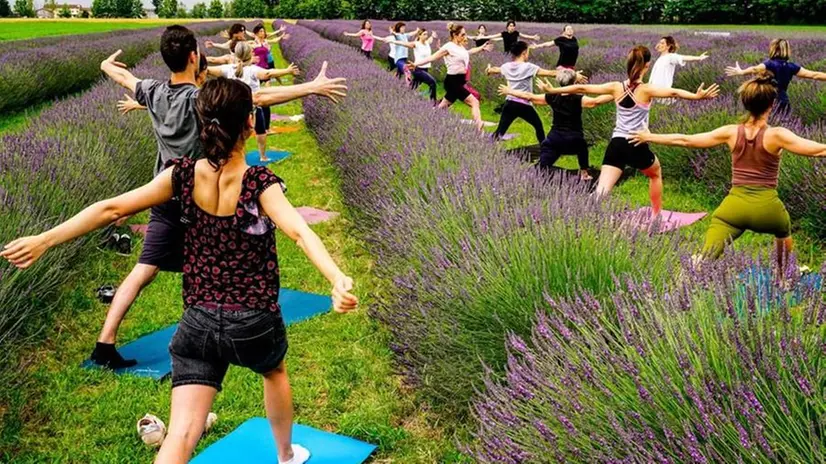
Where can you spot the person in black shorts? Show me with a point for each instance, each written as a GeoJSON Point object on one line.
{"type": "Point", "coordinates": [566, 136]}
{"type": "Point", "coordinates": [171, 107]}
{"type": "Point", "coordinates": [231, 276]}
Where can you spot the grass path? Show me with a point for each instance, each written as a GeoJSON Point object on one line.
{"type": "Point", "coordinates": [19, 29]}
{"type": "Point", "coordinates": [340, 366]}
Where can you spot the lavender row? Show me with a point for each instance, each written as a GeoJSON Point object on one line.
{"type": "Point", "coordinates": [30, 75]}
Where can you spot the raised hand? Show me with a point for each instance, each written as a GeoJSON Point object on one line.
{"type": "Point", "coordinates": [334, 89]}
{"type": "Point", "coordinates": [113, 59]}
{"type": "Point", "coordinates": [343, 300]}
{"type": "Point", "coordinates": [209, 44]}
{"type": "Point", "coordinates": [703, 56]}
{"type": "Point", "coordinates": [128, 104]}
{"type": "Point", "coordinates": [488, 70]}
{"type": "Point", "coordinates": [581, 78]}
{"type": "Point", "coordinates": [543, 85]}
{"type": "Point", "coordinates": [487, 47]}
{"type": "Point", "coordinates": [504, 90]}
{"type": "Point", "coordinates": [734, 70]}
{"type": "Point", "coordinates": [639, 137]}
{"type": "Point", "coordinates": [708, 92]}
{"type": "Point", "coordinates": [293, 69]}
{"type": "Point", "coordinates": [23, 252]}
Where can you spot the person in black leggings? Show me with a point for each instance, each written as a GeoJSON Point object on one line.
{"type": "Point", "coordinates": [520, 74]}
{"type": "Point", "coordinates": [566, 136]}
{"type": "Point", "coordinates": [421, 50]}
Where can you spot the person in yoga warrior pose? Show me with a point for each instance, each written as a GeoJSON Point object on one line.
{"type": "Point", "coordinates": [782, 68]}
{"type": "Point", "coordinates": [230, 279]}
{"type": "Point", "coordinates": [421, 50]}
{"type": "Point", "coordinates": [129, 104]}
{"type": "Point", "coordinates": [509, 36]}
{"type": "Point", "coordinates": [568, 48]}
{"type": "Point", "coordinates": [662, 73]}
{"type": "Point", "coordinates": [262, 49]}
{"type": "Point", "coordinates": [171, 107]}
{"type": "Point", "coordinates": [252, 75]}
{"type": "Point", "coordinates": [520, 74]}
{"type": "Point", "coordinates": [633, 100]}
{"type": "Point", "coordinates": [238, 34]}
{"type": "Point", "coordinates": [457, 60]}
{"type": "Point", "coordinates": [480, 38]}
{"type": "Point", "coordinates": [566, 135]}
{"type": "Point", "coordinates": [367, 38]}
{"type": "Point", "coordinates": [400, 53]}
{"type": "Point", "coordinates": [476, 94]}
{"type": "Point", "coordinates": [756, 149]}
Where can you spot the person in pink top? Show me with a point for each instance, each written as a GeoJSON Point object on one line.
{"type": "Point", "coordinates": [367, 38]}
{"type": "Point", "coordinates": [756, 149]}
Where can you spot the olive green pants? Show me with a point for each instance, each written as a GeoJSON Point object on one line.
{"type": "Point", "coordinates": [757, 209]}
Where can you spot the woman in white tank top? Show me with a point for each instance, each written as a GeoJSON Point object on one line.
{"type": "Point", "coordinates": [421, 51]}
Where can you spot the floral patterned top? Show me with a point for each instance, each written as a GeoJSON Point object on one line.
{"type": "Point", "coordinates": [228, 260]}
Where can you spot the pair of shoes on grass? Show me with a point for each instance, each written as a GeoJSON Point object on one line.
{"type": "Point", "coordinates": [152, 430]}
{"type": "Point", "coordinates": [119, 243]}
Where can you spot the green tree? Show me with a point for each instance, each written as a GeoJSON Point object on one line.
{"type": "Point", "coordinates": [169, 9]}
{"type": "Point", "coordinates": [181, 12]}
{"type": "Point", "coordinates": [103, 8]}
{"type": "Point", "coordinates": [5, 9]}
{"type": "Point", "coordinates": [216, 9]}
{"type": "Point", "coordinates": [157, 5]}
{"type": "Point", "coordinates": [24, 8]}
{"type": "Point", "coordinates": [64, 12]}
{"type": "Point", "coordinates": [249, 9]}
{"type": "Point", "coordinates": [137, 9]}
{"type": "Point", "coordinates": [123, 8]}
{"type": "Point", "coordinates": [199, 11]}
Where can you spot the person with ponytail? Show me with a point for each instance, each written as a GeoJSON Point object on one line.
{"type": "Point", "coordinates": [231, 279]}
{"type": "Point", "coordinates": [457, 60]}
{"type": "Point", "coordinates": [782, 68]}
{"type": "Point", "coordinates": [520, 74]}
{"type": "Point", "coordinates": [662, 73]}
{"type": "Point", "coordinates": [756, 149]}
{"type": "Point", "coordinates": [633, 101]}
{"type": "Point", "coordinates": [566, 135]}
{"type": "Point", "coordinates": [252, 75]}
{"type": "Point", "coordinates": [476, 94]}
{"type": "Point", "coordinates": [421, 50]}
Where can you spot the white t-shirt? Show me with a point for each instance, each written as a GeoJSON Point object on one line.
{"type": "Point", "coordinates": [250, 76]}
{"type": "Point", "coordinates": [421, 52]}
{"type": "Point", "coordinates": [457, 58]}
{"type": "Point", "coordinates": [662, 73]}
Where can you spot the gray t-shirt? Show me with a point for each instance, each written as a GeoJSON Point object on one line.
{"type": "Point", "coordinates": [520, 77]}
{"type": "Point", "coordinates": [172, 110]}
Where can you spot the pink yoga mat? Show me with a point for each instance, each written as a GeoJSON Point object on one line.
{"type": "Point", "coordinates": [314, 215]}
{"type": "Point", "coordinates": [668, 220]}
{"type": "Point", "coordinates": [139, 228]}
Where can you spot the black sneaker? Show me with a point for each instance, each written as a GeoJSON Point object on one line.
{"type": "Point", "coordinates": [105, 355]}
{"type": "Point", "coordinates": [123, 246]}
{"type": "Point", "coordinates": [105, 294]}
{"type": "Point", "coordinates": [109, 242]}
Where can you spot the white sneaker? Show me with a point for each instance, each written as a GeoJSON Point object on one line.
{"type": "Point", "coordinates": [210, 421]}
{"type": "Point", "coordinates": [151, 430]}
{"type": "Point", "coordinates": [300, 455]}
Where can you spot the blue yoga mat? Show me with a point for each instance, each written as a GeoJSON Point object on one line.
{"type": "Point", "coordinates": [761, 280]}
{"type": "Point", "coordinates": [254, 158]}
{"type": "Point", "coordinates": [253, 443]}
{"type": "Point", "coordinates": [152, 351]}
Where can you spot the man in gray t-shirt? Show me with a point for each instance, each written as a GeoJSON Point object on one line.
{"type": "Point", "coordinates": [172, 110]}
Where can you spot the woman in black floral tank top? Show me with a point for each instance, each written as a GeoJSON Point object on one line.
{"type": "Point", "coordinates": [230, 275]}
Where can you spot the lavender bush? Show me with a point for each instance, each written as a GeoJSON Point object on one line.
{"type": "Point", "coordinates": [710, 370]}
{"type": "Point", "coordinates": [40, 70]}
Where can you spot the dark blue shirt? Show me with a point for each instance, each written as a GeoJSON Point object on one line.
{"type": "Point", "coordinates": [783, 71]}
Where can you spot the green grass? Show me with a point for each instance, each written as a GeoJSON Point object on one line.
{"type": "Point", "coordinates": [18, 29]}
{"type": "Point", "coordinates": [341, 369]}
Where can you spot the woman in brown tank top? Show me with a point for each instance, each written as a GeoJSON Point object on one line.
{"type": "Point", "coordinates": [756, 149]}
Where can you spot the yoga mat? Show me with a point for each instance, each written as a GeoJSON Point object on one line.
{"type": "Point", "coordinates": [152, 351]}
{"type": "Point", "coordinates": [283, 130]}
{"type": "Point", "coordinates": [254, 158]}
{"type": "Point", "coordinates": [285, 118]}
{"type": "Point", "coordinates": [768, 291]}
{"type": "Point", "coordinates": [484, 123]}
{"type": "Point", "coordinates": [669, 220]}
{"type": "Point", "coordinates": [252, 443]}
{"type": "Point", "coordinates": [313, 215]}
{"type": "Point", "coordinates": [508, 137]}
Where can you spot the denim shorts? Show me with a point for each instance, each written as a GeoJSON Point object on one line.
{"type": "Point", "coordinates": [209, 339]}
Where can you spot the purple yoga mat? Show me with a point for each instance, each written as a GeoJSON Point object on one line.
{"type": "Point", "coordinates": [508, 137]}
{"type": "Point", "coordinates": [668, 220]}
{"type": "Point", "coordinates": [313, 215]}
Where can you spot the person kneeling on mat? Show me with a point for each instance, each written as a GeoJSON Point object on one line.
{"type": "Point", "coordinates": [230, 279]}
{"type": "Point", "coordinates": [756, 149]}
{"type": "Point", "coordinates": [566, 135]}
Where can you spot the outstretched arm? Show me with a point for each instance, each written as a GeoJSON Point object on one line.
{"type": "Point", "coordinates": [129, 104]}
{"type": "Point", "coordinates": [334, 89]}
{"type": "Point", "coordinates": [403, 44]}
{"type": "Point", "coordinates": [593, 102]}
{"type": "Point", "coordinates": [493, 70]}
{"type": "Point", "coordinates": [118, 73]}
{"type": "Point", "coordinates": [222, 46]}
{"type": "Point", "coordinates": [716, 137]}
{"type": "Point", "coordinates": [807, 74]}
{"type": "Point", "coordinates": [214, 71]}
{"type": "Point", "coordinates": [276, 73]}
{"type": "Point", "coordinates": [23, 252]}
{"type": "Point", "coordinates": [700, 57]}
{"type": "Point", "coordinates": [530, 37]}
{"type": "Point", "coordinates": [484, 48]}
{"type": "Point", "coordinates": [286, 218]}
{"type": "Point", "coordinates": [429, 59]}
{"type": "Point", "coordinates": [794, 143]}
{"type": "Point", "coordinates": [536, 98]}
{"type": "Point", "coordinates": [224, 59]}
{"type": "Point", "coordinates": [737, 71]}
{"type": "Point", "coordinates": [549, 43]}
{"type": "Point", "coordinates": [702, 92]}
{"type": "Point", "coordinates": [609, 88]}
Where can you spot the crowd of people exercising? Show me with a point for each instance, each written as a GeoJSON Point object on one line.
{"type": "Point", "coordinates": [213, 216]}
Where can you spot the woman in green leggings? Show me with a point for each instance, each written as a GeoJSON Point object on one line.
{"type": "Point", "coordinates": [756, 148]}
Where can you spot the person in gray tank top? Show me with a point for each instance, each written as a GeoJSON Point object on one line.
{"type": "Point", "coordinates": [633, 99]}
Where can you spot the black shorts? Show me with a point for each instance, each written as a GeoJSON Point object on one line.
{"type": "Point", "coordinates": [262, 120]}
{"type": "Point", "coordinates": [621, 153]}
{"type": "Point", "coordinates": [368, 54]}
{"type": "Point", "coordinates": [163, 246]}
{"type": "Point", "coordinates": [208, 340]}
{"type": "Point", "coordinates": [455, 88]}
